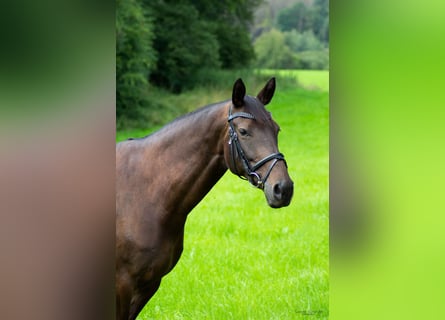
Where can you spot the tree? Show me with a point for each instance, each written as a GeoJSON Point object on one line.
{"type": "Point", "coordinates": [192, 35]}
{"type": "Point", "coordinates": [135, 57]}
{"type": "Point", "coordinates": [298, 17]}
{"type": "Point", "coordinates": [302, 41]}
{"type": "Point", "coordinates": [231, 20]}
{"type": "Point", "coordinates": [321, 20]}
{"type": "Point", "coordinates": [230, 37]}
{"type": "Point", "coordinates": [302, 18]}
{"type": "Point", "coordinates": [272, 51]}
{"type": "Point", "coordinates": [184, 43]}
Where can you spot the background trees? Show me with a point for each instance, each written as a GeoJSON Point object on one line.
{"type": "Point", "coordinates": [178, 45]}
{"type": "Point", "coordinates": [192, 35]}
{"type": "Point", "coordinates": [185, 43]}
{"type": "Point", "coordinates": [135, 57]}
{"type": "Point", "coordinates": [304, 26]}
{"type": "Point", "coordinates": [167, 44]}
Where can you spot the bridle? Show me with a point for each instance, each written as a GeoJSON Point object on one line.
{"type": "Point", "coordinates": [252, 176]}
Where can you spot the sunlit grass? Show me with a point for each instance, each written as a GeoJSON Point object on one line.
{"type": "Point", "coordinates": [309, 79]}
{"type": "Point", "coordinates": [244, 260]}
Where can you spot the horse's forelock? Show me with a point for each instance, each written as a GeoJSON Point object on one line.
{"type": "Point", "coordinates": [256, 108]}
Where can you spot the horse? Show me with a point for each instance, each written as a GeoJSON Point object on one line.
{"type": "Point", "coordinates": [162, 177]}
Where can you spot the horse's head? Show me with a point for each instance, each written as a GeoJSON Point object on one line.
{"type": "Point", "coordinates": [252, 152]}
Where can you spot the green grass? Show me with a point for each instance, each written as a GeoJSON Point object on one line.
{"type": "Point", "coordinates": [308, 79]}
{"type": "Point", "coordinates": [244, 260]}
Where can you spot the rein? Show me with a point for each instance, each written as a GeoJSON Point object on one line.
{"type": "Point", "coordinates": [252, 176]}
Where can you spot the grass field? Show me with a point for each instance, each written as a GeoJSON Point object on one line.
{"type": "Point", "coordinates": [244, 260]}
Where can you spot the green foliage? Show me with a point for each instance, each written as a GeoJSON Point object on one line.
{"type": "Point", "coordinates": [299, 17]}
{"type": "Point", "coordinates": [212, 86]}
{"type": "Point", "coordinates": [135, 58]}
{"type": "Point", "coordinates": [231, 20]}
{"type": "Point", "coordinates": [305, 28]}
{"type": "Point", "coordinates": [321, 20]}
{"type": "Point", "coordinates": [196, 35]}
{"type": "Point", "coordinates": [171, 44]}
{"type": "Point", "coordinates": [230, 37]}
{"type": "Point", "coordinates": [289, 50]}
{"type": "Point", "coordinates": [227, 12]}
{"type": "Point", "coordinates": [313, 60]}
{"type": "Point", "coordinates": [307, 18]}
{"type": "Point", "coordinates": [302, 41]}
{"type": "Point", "coordinates": [272, 52]}
{"type": "Point", "coordinates": [185, 44]}
{"type": "Point", "coordinates": [180, 45]}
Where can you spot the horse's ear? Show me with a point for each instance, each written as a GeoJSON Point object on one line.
{"type": "Point", "coordinates": [266, 94]}
{"type": "Point", "coordinates": [239, 91]}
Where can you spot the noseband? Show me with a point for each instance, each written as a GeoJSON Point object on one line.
{"type": "Point", "coordinates": [253, 176]}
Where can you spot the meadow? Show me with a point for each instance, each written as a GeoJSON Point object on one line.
{"type": "Point", "coordinates": [243, 259]}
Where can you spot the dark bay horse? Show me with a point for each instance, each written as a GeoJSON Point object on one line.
{"type": "Point", "coordinates": [162, 177]}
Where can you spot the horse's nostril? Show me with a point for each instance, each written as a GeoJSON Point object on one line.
{"type": "Point", "coordinates": [277, 190]}
{"type": "Point", "coordinates": [283, 190]}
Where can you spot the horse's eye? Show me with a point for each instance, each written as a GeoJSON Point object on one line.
{"type": "Point", "coordinates": [243, 132]}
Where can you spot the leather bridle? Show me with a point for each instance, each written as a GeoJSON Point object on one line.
{"type": "Point", "coordinates": [235, 147]}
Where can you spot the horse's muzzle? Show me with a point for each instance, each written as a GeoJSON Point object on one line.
{"type": "Point", "coordinates": [279, 194]}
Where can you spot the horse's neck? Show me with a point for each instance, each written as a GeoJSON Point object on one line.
{"type": "Point", "coordinates": [192, 153]}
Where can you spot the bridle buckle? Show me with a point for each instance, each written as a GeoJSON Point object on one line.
{"type": "Point", "coordinates": [255, 180]}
